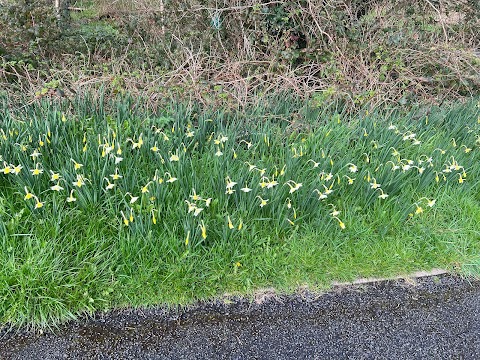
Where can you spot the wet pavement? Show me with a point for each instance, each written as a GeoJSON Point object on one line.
{"type": "Point", "coordinates": [428, 318]}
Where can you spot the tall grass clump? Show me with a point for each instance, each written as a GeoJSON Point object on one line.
{"type": "Point", "coordinates": [122, 207]}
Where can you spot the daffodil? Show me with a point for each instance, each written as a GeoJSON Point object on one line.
{"type": "Point", "coordinates": [349, 179]}
{"type": "Point", "coordinates": [294, 186]}
{"type": "Point", "coordinates": [154, 219]}
{"type": "Point", "coordinates": [56, 187]}
{"type": "Point", "coordinates": [195, 197]}
{"type": "Point", "coordinates": [218, 153]}
{"type": "Point", "coordinates": [133, 199]}
{"type": "Point", "coordinates": [174, 157]}
{"type": "Point", "coordinates": [191, 206]}
{"type": "Point", "coordinates": [383, 195]}
{"type": "Point", "coordinates": [246, 189]}
{"type": "Point", "coordinates": [249, 144]}
{"type": "Point", "coordinates": [374, 185]}
{"type": "Point", "coordinates": [145, 188]}
{"type": "Point", "coordinates": [321, 195]}
{"type": "Point", "coordinates": [37, 171]}
{"type": "Point", "coordinates": [55, 176]}
{"type": "Point", "coordinates": [240, 225]}
{"type": "Point", "coordinates": [263, 202]}
{"type": "Point", "coordinates": [109, 184]}
{"type": "Point", "coordinates": [197, 211]}
{"type": "Point", "coordinates": [38, 204]}
{"type": "Point", "coordinates": [28, 194]}
{"type": "Point", "coordinates": [461, 179]}
{"type": "Point", "coordinates": [79, 182]}
{"type": "Point", "coordinates": [328, 191]}
{"type": "Point", "coordinates": [70, 198]}
{"type": "Point", "coordinates": [35, 154]}
{"type": "Point", "coordinates": [208, 201]}
{"type": "Point", "coordinates": [315, 164]}
{"type": "Point", "coordinates": [272, 183]}
{"type": "Point", "coordinates": [418, 210]}
{"type": "Point", "coordinates": [16, 169]}
{"type": "Point", "coordinates": [340, 222]}
{"type": "Point", "coordinates": [76, 165]}
{"type": "Point", "coordinates": [251, 167]}
{"type": "Point", "coordinates": [154, 148]}
{"type": "Point", "coordinates": [431, 203]}
{"type": "Point", "coordinates": [116, 175]}
{"type": "Point", "coordinates": [230, 183]}
{"type": "Point", "coordinates": [329, 177]}
{"type": "Point", "coordinates": [204, 229]}
{"type": "Point", "coordinates": [6, 169]}
{"type": "Point", "coordinates": [230, 225]}
{"type": "Point", "coordinates": [353, 168]}
{"type": "Point", "coordinates": [263, 183]}
{"type": "Point", "coordinates": [171, 179]}
{"type": "Point", "coordinates": [136, 144]}
{"type": "Point", "coordinates": [187, 239]}
{"type": "Point", "coordinates": [125, 220]}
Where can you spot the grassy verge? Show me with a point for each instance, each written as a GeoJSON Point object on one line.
{"type": "Point", "coordinates": [103, 209]}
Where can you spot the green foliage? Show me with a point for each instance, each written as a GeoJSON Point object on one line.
{"type": "Point", "coordinates": [186, 203]}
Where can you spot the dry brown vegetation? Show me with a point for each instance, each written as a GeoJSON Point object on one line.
{"type": "Point", "coordinates": [233, 51]}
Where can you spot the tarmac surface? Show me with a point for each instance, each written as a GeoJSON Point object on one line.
{"type": "Point", "coordinates": [427, 318]}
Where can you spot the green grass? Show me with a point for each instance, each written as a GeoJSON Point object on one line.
{"type": "Point", "coordinates": [66, 258]}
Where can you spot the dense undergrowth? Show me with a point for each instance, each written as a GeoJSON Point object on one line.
{"type": "Point", "coordinates": [229, 52]}
{"type": "Point", "coordinates": [111, 206]}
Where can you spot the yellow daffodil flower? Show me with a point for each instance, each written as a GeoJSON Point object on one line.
{"type": "Point", "coordinates": [293, 186]}
{"type": "Point", "coordinates": [263, 202]}
{"type": "Point", "coordinates": [133, 199]}
{"type": "Point", "coordinates": [109, 184]}
{"type": "Point", "coordinates": [125, 220]}
{"type": "Point", "coordinates": [6, 169]}
{"type": "Point", "coordinates": [79, 182]}
{"type": "Point", "coordinates": [171, 179]}
{"type": "Point", "coordinates": [340, 222]}
{"type": "Point", "coordinates": [352, 168]}
{"type": "Point", "coordinates": [187, 239]}
{"type": "Point", "coordinates": [230, 183]}
{"type": "Point", "coordinates": [374, 185]}
{"type": "Point", "coordinates": [37, 171]}
{"type": "Point", "coordinates": [16, 169]}
{"type": "Point", "coordinates": [56, 187]}
{"type": "Point", "coordinates": [230, 225]}
{"type": "Point", "coordinates": [383, 195]}
{"type": "Point", "coordinates": [191, 206]}
{"type": "Point", "coordinates": [195, 197]}
{"type": "Point", "coordinates": [116, 175]}
{"type": "Point", "coordinates": [76, 165]}
{"type": "Point", "coordinates": [174, 157]}
{"type": "Point", "coordinates": [55, 176]}
{"type": "Point", "coordinates": [204, 229]}
{"type": "Point", "coordinates": [240, 225]}
{"type": "Point", "coordinates": [321, 195]}
{"type": "Point", "coordinates": [71, 198]}
{"type": "Point", "coordinates": [28, 194]}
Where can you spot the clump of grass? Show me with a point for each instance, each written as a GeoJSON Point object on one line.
{"type": "Point", "coordinates": [105, 210]}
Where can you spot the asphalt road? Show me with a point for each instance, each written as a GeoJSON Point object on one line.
{"type": "Point", "coordinates": [433, 318]}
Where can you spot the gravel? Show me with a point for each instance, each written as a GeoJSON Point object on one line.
{"type": "Point", "coordinates": [427, 318]}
